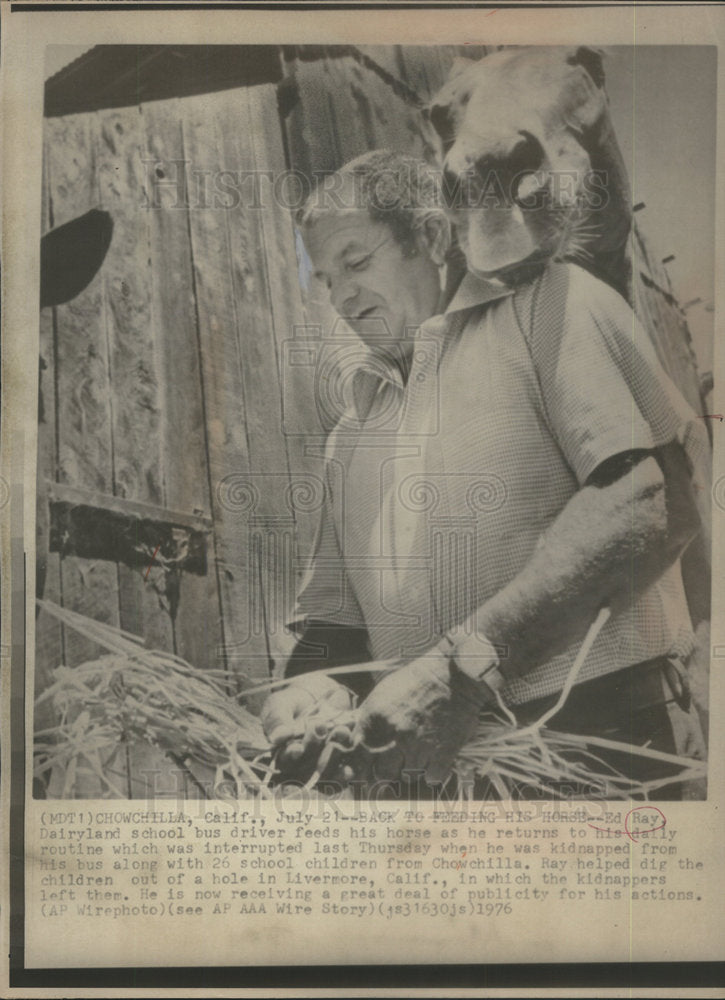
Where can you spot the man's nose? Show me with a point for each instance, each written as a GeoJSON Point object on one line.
{"type": "Point", "coordinates": [343, 291]}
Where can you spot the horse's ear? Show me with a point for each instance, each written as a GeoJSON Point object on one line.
{"type": "Point", "coordinates": [459, 65]}
{"type": "Point", "coordinates": [592, 60]}
{"type": "Point", "coordinates": [442, 97]}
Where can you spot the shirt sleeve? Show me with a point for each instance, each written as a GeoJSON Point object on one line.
{"type": "Point", "coordinates": [603, 389]}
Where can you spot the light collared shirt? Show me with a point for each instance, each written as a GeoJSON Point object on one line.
{"type": "Point", "coordinates": [440, 487]}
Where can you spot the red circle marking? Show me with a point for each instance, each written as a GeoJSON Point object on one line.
{"type": "Point", "coordinates": [634, 833]}
{"type": "Point", "coordinates": [638, 833]}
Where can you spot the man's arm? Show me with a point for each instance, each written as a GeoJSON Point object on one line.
{"type": "Point", "coordinates": [613, 539]}
{"type": "Point", "coordinates": [628, 523]}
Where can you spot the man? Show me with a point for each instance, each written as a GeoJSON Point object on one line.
{"type": "Point", "coordinates": [382, 257]}
{"type": "Point", "coordinates": [534, 471]}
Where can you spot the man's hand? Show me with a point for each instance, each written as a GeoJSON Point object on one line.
{"type": "Point", "coordinates": [417, 719]}
{"type": "Point", "coordinates": [298, 719]}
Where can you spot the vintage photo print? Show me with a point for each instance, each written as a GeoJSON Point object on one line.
{"type": "Point", "coordinates": [365, 356]}
{"type": "Point", "coordinates": [364, 489]}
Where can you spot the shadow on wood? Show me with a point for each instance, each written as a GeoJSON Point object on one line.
{"type": "Point", "coordinates": [71, 256]}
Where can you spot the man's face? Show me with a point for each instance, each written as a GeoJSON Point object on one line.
{"type": "Point", "coordinates": [379, 290]}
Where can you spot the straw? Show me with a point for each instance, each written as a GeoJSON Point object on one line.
{"type": "Point", "coordinates": [133, 694]}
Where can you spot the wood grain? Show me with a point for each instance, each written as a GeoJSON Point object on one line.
{"type": "Point", "coordinates": [48, 633]}
{"type": "Point", "coordinates": [270, 524]}
{"type": "Point", "coordinates": [83, 394]}
{"type": "Point", "coordinates": [133, 362]}
{"type": "Point", "coordinates": [197, 624]}
{"type": "Point", "coordinates": [226, 273]}
{"type": "Point", "coordinates": [85, 451]}
{"type": "Point", "coordinates": [659, 313]}
{"type": "Point", "coordinates": [301, 425]}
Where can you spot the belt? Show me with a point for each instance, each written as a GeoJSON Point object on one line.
{"type": "Point", "coordinates": [604, 699]}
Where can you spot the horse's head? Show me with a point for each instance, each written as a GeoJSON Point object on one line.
{"type": "Point", "coordinates": [532, 169]}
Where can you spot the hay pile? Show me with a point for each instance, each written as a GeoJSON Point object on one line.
{"type": "Point", "coordinates": [135, 695]}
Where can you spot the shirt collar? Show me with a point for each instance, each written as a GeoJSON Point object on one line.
{"type": "Point", "coordinates": [474, 291]}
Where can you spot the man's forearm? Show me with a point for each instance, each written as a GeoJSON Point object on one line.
{"type": "Point", "coordinates": [606, 546]}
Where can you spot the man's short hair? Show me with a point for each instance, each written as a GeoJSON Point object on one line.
{"type": "Point", "coordinates": [398, 190]}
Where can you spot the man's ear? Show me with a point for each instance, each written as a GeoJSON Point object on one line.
{"type": "Point", "coordinates": [434, 237]}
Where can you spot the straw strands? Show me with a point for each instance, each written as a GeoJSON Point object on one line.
{"type": "Point", "coordinates": [132, 694]}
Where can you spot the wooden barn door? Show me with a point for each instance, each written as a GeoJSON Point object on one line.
{"type": "Point", "coordinates": [116, 430]}
{"type": "Point", "coordinates": [163, 394]}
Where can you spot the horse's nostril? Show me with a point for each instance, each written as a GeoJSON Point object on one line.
{"type": "Point", "coordinates": [527, 155]}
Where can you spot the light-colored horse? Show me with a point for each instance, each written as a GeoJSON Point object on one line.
{"type": "Point", "coordinates": [532, 168]}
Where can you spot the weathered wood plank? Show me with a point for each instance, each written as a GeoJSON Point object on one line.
{"type": "Point", "coordinates": [663, 320]}
{"type": "Point", "coordinates": [82, 377]}
{"type": "Point", "coordinates": [351, 124]}
{"type": "Point", "coordinates": [364, 111]}
{"type": "Point", "coordinates": [343, 108]}
{"type": "Point", "coordinates": [85, 450]}
{"type": "Point", "coordinates": [148, 361]}
{"type": "Point", "coordinates": [83, 399]}
{"type": "Point", "coordinates": [197, 626]}
{"type": "Point", "coordinates": [135, 391]}
{"type": "Point", "coordinates": [387, 57]}
{"type": "Point", "coordinates": [301, 418]}
{"type": "Point", "coordinates": [395, 123]}
{"type": "Point", "coordinates": [310, 137]}
{"type": "Point", "coordinates": [48, 633]}
{"type": "Point", "coordinates": [258, 293]}
{"type": "Point", "coordinates": [193, 525]}
{"type": "Point", "coordinates": [226, 275]}
{"type": "Point", "coordinates": [426, 68]}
